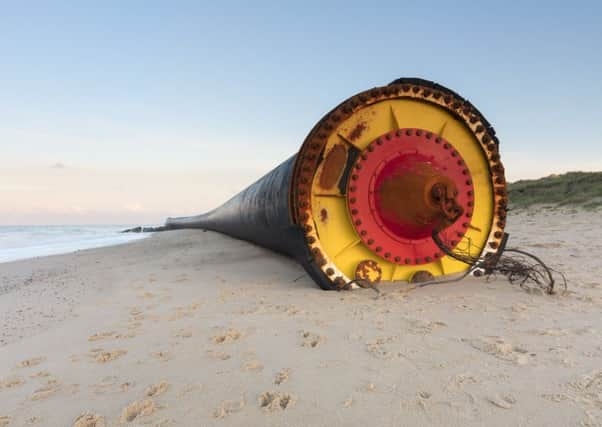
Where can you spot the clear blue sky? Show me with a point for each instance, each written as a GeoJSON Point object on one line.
{"type": "Point", "coordinates": [111, 106]}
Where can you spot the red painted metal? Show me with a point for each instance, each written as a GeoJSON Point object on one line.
{"type": "Point", "coordinates": [396, 154]}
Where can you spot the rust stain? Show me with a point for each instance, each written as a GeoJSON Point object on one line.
{"type": "Point", "coordinates": [357, 131]}
{"type": "Point", "coordinates": [323, 215]}
{"type": "Point", "coordinates": [421, 276]}
{"type": "Point", "coordinates": [333, 166]}
{"type": "Point", "coordinates": [368, 271]}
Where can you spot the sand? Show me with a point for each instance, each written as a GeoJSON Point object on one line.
{"type": "Point", "coordinates": [193, 328]}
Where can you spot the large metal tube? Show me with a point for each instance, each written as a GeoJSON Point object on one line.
{"type": "Point", "coordinates": [333, 206]}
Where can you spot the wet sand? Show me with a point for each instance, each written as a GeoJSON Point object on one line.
{"type": "Point", "coordinates": [195, 328]}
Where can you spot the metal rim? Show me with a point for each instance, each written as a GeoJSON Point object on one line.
{"type": "Point", "coordinates": [311, 154]}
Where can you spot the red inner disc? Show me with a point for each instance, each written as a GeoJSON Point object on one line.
{"type": "Point", "coordinates": [388, 189]}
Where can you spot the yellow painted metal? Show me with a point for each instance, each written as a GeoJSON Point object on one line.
{"type": "Point", "coordinates": [338, 236]}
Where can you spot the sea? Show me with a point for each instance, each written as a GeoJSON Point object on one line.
{"type": "Point", "coordinates": [30, 241]}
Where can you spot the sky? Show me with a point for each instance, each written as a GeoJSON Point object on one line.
{"type": "Point", "coordinates": [132, 111]}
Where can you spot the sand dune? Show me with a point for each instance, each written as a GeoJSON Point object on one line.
{"type": "Point", "coordinates": [191, 328]}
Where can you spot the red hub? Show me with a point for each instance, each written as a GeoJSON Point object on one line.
{"type": "Point", "coordinates": [396, 190]}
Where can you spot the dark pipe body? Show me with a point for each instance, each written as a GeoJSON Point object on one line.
{"type": "Point", "coordinates": [261, 214]}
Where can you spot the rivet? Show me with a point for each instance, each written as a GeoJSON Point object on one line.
{"type": "Point", "coordinates": [409, 132]}
{"type": "Point", "coordinates": [387, 255]}
{"type": "Point", "coordinates": [352, 200]}
{"type": "Point", "coordinates": [370, 241]}
{"type": "Point", "coordinates": [397, 259]}
{"type": "Point", "coordinates": [408, 260]}
{"type": "Point", "coordinates": [498, 234]}
{"type": "Point", "coordinates": [378, 249]}
{"type": "Point", "coordinates": [329, 271]}
{"type": "Point", "coordinates": [358, 222]}
{"type": "Point", "coordinates": [354, 211]}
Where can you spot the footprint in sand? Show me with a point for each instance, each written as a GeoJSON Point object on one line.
{"type": "Point", "coordinates": [90, 420]}
{"type": "Point", "coordinates": [11, 382]}
{"type": "Point", "coordinates": [101, 356]}
{"type": "Point", "coordinates": [271, 401]}
{"type": "Point", "coordinates": [500, 349]}
{"type": "Point", "coordinates": [31, 362]}
{"type": "Point", "coordinates": [587, 389]}
{"type": "Point", "coordinates": [163, 356]}
{"type": "Point", "coordinates": [379, 347]}
{"type": "Point", "coordinates": [137, 409]}
{"type": "Point", "coordinates": [156, 389]}
{"type": "Point", "coordinates": [311, 340]}
{"type": "Point", "coordinates": [229, 336]}
{"type": "Point", "coordinates": [102, 336]}
{"type": "Point", "coordinates": [44, 392]}
{"type": "Point", "coordinates": [228, 407]}
{"type": "Point", "coordinates": [503, 402]}
{"type": "Point", "coordinates": [282, 376]}
{"type": "Point", "coordinates": [253, 366]}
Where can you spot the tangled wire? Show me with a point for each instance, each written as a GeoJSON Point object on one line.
{"type": "Point", "coordinates": [518, 266]}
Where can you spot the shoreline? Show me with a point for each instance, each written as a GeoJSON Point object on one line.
{"type": "Point", "coordinates": [195, 328]}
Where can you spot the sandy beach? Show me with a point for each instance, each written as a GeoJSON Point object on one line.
{"type": "Point", "coordinates": [192, 328]}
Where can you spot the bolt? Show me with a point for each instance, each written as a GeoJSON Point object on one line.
{"type": "Point", "coordinates": [409, 132]}
{"type": "Point", "coordinates": [408, 260]}
{"type": "Point", "coordinates": [388, 137]}
{"type": "Point", "coordinates": [352, 200]}
{"type": "Point", "coordinates": [354, 211]}
{"type": "Point", "coordinates": [379, 142]}
{"type": "Point", "coordinates": [493, 245]}
{"type": "Point", "coordinates": [329, 271]}
{"type": "Point", "coordinates": [354, 177]}
{"type": "Point", "coordinates": [429, 135]}
{"type": "Point", "coordinates": [370, 241]}
{"type": "Point", "coordinates": [438, 140]}
{"type": "Point", "coordinates": [387, 254]}
{"type": "Point", "coordinates": [370, 148]}
{"type": "Point", "coordinates": [498, 234]}
{"type": "Point", "coordinates": [397, 259]}
{"type": "Point", "coordinates": [311, 239]}
{"type": "Point", "coordinates": [428, 259]}
{"type": "Point", "coordinates": [418, 133]}
{"type": "Point", "coordinates": [363, 232]}
{"type": "Point", "coordinates": [378, 249]}
{"type": "Point", "coordinates": [446, 146]}
{"type": "Point", "coordinates": [358, 222]}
